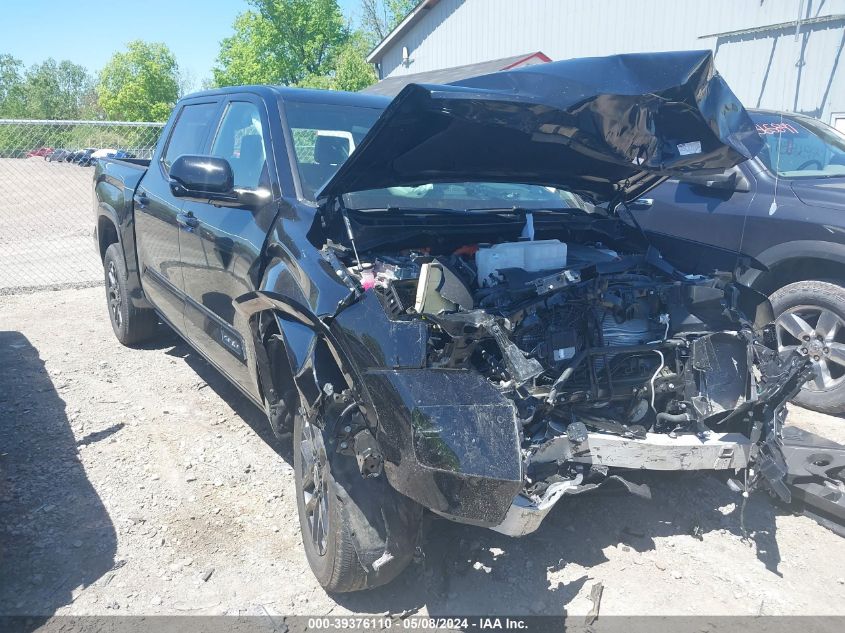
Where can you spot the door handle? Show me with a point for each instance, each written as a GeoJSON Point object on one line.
{"type": "Point", "coordinates": [641, 204]}
{"type": "Point", "coordinates": [141, 200]}
{"type": "Point", "coordinates": [187, 220]}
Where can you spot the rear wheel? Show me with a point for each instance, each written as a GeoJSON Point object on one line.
{"type": "Point", "coordinates": [130, 324]}
{"type": "Point", "coordinates": [811, 320]}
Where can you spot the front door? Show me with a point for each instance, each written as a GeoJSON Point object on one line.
{"type": "Point", "coordinates": [157, 211]}
{"type": "Point", "coordinates": [709, 221]}
{"type": "Point", "coordinates": [220, 245]}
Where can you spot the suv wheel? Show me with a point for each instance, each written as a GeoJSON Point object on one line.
{"type": "Point", "coordinates": [130, 324]}
{"type": "Point", "coordinates": [811, 319]}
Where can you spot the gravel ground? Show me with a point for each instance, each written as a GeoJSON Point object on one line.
{"type": "Point", "coordinates": [139, 482]}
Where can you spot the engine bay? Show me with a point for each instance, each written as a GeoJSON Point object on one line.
{"type": "Point", "coordinates": [612, 358]}
{"type": "Point", "coordinates": [574, 333]}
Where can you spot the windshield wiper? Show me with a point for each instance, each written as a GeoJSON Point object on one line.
{"type": "Point", "coordinates": [516, 211]}
{"type": "Point", "coordinates": [432, 211]}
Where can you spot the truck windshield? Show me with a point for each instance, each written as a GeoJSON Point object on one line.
{"type": "Point", "coordinates": [324, 135]}
{"type": "Point", "coordinates": [464, 195]}
{"type": "Point", "coordinates": [800, 147]}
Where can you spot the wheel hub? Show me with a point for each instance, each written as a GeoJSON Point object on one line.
{"type": "Point", "coordinates": [818, 333]}
{"type": "Point", "coordinates": [814, 348]}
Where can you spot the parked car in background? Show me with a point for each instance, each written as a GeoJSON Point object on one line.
{"type": "Point", "coordinates": [786, 209]}
{"type": "Point", "coordinates": [41, 151]}
{"type": "Point", "coordinates": [78, 155]}
{"type": "Point", "coordinates": [58, 156]}
{"type": "Point", "coordinates": [438, 327]}
{"type": "Point", "coordinates": [84, 156]}
{"type": "Point", "coordinates": [87, 161]}
{"type": "Point", "coordinates": [105, 152]}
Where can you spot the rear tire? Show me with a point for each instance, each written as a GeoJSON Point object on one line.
{"type": "Point", "coordinates": [131, 325]}
{"type": "Point", "coordinates": [811, 318]}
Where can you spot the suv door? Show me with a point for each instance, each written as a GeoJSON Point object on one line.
{"type": "Point", "coordinates": [709, 220]}
{"type": "Point", "coordinates": [221, 245]}
{"type": "Point", "coordinates": [156, 211]}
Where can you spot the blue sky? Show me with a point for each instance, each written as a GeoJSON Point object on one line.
{"type": "Point", "coordinates": [88, 32]}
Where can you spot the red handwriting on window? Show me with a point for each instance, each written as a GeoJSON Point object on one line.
{"type": "Point", "coordinates": [775, 128]}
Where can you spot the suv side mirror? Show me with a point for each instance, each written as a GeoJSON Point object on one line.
{"type": "Point", "coordinates": [202, 178]}
{"type": "Point", "coordinates": [727, 181]}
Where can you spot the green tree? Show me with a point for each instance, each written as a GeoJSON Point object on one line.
{"type": "Point", "coordinates": [350, 68]}
{"type": "Point", "coordinates": [56, 90]}
{"type": "Point", "coordinates": [141, 84]}
{"type": "Point", "coordinates": [380, 17]}
{"type": "Point", "coordinates": [352, 72]}
{"type": "Point", "coordinates": [281, 42]}
{"type": "Point", "coordinates": [49, 90]}
{"type": "Point", "coordinates": [11, 82]}
{"type": "Point", "coordinates": [248, 56]}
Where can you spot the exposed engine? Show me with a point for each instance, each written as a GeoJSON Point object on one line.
{"type": "Point", "coordinates": [602, 328]}
{"type": "Point", "coordinates": [584, 340]}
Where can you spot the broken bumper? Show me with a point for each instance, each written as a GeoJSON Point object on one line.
{"type": "Point", "coordinates": [657, 451]}
{"type": "Point", "coordinates": [763, 450]}
{"type": "Point", "coordinates": [719, 451]}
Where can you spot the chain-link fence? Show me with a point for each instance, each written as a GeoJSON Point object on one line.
{"type": "Point", "coordinates": [46, 196]}
{"type": "Point", "coordinates": [303, 144]}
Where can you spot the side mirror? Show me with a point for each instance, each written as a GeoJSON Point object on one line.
{"type": "Point", "coordinates": [202, 178]}
{"type": "Point", "coordinates": [728, 181]}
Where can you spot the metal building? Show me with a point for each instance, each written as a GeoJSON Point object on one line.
{"type": "Point", "coordinates": [780, 54]}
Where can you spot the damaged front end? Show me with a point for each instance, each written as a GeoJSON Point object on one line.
{"type": "Point", "coordinates": [507, 356]}
{"type": "Point", "coordinates": [504, 398]}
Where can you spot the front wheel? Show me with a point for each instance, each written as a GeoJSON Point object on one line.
{"type": "Point", "coordinates": [811, 320]}
{"type": "Point", "coordinates": [357, 533]}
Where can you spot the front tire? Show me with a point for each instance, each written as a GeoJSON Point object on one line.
{"type": "Point", "coordinates": [357, 533]}
{"type": "Point", "coordinates": [130, 324]}
{"type": "Point", "coordinates": [811, 319]}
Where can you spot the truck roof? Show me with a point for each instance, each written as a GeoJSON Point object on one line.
{"type": "Point", "coordinates": [300, 94]}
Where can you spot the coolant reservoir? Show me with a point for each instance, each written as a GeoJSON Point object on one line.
{"type": "Point", "coordinates": [531, 256]}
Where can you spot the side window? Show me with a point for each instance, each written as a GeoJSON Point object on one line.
{"type": "Point", "coordinates": [240, 140]}
{"type": "Point", "coordinates": [189, 132]}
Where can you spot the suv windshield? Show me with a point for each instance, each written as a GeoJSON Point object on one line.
{"type": "Point", "coordinates": [800, 147]}
{"type": "Point", "coordinates": [324, 135]}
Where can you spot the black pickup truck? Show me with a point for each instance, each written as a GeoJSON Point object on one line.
{"type": "Point", "coordinates": [408, 287]}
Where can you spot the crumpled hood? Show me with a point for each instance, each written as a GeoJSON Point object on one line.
{"type": "Point", "coordinates": [603, 127]}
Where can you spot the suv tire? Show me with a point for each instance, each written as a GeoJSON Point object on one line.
{"type": "Point", "coordinates": [811, 318]}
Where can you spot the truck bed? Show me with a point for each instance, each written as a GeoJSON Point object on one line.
{"type": "Point", "coordinates": [116, 180]}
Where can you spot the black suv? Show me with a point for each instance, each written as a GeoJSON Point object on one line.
{"type": "Point", "coordinates": [784, 209]}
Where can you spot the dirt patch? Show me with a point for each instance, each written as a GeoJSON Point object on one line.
{"type": "Point", "coordinates": [140, 482]}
